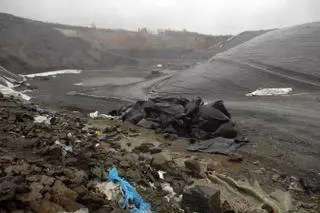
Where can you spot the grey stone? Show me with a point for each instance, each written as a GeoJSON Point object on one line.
{"type": "Point", "coordinates": [195, 168]}
{"type": "Point", "coordinates": [161, 160]}
{"type": "Point", "coordinates": [202, 199]}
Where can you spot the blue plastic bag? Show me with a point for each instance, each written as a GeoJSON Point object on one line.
{"type": "Point", "coordinates": [130, 193]}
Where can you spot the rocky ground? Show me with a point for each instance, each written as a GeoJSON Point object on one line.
{"type": "Point", "coordinates": [56, 161]}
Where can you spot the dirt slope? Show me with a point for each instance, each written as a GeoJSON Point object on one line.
{"type": "Point", "coordinates": [29, 46]}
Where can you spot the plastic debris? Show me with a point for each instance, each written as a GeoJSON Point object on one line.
{"type": "Point", "coordinates": [270, 92]}
{"type": "Point", "coordinates": [107, 116]}
{"type": "Point", "coordinates": [65, 148]}
{"type": "Point", "coordinates": [130, 193]}
{"type": "Point", "coordinates": [58, 72]}
{"type": "Point", "coordinates": [161, 173]}
{"type": "Point", "coordinates": [168, 188]}
{"type": "Point", "coordinates": [111, 190]}
{"type": "Point", "coordinates": [6, 91]}
{"type": "Point", "coordinates": [98, 133]}
{"type": "Point", "coordinates": [94, 114]}
{"type": "Point", "coordinates": [42, 119]}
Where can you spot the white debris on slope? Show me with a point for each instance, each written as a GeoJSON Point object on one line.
{"type": "Point", "coordinates": [5, 82]}
{"type": "Point", "coordinates": [58, 72]}
{"type": "Point", "coordinates": [94, 114]}
{"type": "Point", "coordinates": [270, 92]}
{"type": "Point", "coordinates": [108, 116]}
{"type": "Point", "coordinates": [161, 174]}
{"type": "Point", "coordinates": [6, 91]}
{"type": "Point", "coordinates": [41, 119]}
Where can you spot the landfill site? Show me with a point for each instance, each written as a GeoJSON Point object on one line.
{"type": "Point", "coordinates": [107, 121]}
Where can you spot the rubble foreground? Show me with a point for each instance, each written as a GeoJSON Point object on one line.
{"type": "Point", "coordinates": [58, 161]}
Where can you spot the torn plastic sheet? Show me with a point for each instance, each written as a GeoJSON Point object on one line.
{"type": "Point", "coordinates": [130, 193]}
{"type": "Point", "coordinates": [217, 146]}
{"type": "Point", "coordinates": [58, 72]}
{"type": "Point", "coordinates": [270, 92]}
{"type": "Point", "coordinates": [6, 91]}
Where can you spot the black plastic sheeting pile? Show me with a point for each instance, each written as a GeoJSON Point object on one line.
{"type": "Point", "coordinates": [211, 124]}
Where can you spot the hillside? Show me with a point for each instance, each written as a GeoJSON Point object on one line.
{"type": "Point", "coordinates": [29, 46]}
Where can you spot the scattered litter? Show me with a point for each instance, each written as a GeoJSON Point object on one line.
{"type": "Point", "coordinates": [6, 91]}
{"type": "Point", "coordinates": [270, 91]}
{"type": "Point", "coordinates": [111, 190]}
{"type": "Point", "coordinates": [65, 148]}
{"type": "Point", "coordinates": [161, 173]}
{"type": "Point", "coordinates": [42, 119]}
{"type": "Point", "coordinates": [94, 114]}
{"type": "Point", "coordinates": [98, 133]}
{"type": "Point", "coordinates": [168, 188]}
{"type": "Point", "coordinates": [130, 193]}
{"type": "Point", "coordinates": [58, 72]}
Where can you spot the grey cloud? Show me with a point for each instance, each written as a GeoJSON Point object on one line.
{"type": "Point", "coordinates": [206, 16]}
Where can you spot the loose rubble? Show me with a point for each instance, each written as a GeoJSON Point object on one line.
{"type": "Point", "coordinates": [56, 166]}
{"type": "Point", "coordinates": [63, 164]}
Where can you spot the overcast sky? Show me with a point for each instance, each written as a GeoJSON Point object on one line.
{"type": "Point", "coordinates": [205, 16]}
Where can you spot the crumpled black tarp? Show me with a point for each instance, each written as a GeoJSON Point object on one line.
{"type": "Point", "coordinates": [217, 146]}
{"type": "Point", "coordinates": [186, 118]}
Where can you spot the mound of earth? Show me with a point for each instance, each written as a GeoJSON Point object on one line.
{"type": "Point", "coordinates": [281, 58]}
{"type": "Point", "coordinates": [283, 125]}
